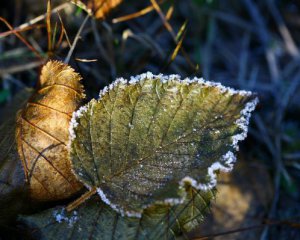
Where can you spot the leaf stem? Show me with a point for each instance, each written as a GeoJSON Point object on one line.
{"type": "Point", "coordinates": [81, 199]}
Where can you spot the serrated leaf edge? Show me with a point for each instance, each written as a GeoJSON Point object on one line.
{"type": "Point", "coordinates": [225, 164]}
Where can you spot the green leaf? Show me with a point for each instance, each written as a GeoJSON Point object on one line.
{"type": "Point", "coordinates": [145, 138]}
{"type": "Point", "coordinates": [96, 220]}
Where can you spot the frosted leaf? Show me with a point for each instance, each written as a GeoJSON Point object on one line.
{"type": "Point", "coordinates": [179, 131]}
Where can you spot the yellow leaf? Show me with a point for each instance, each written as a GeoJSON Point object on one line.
{"type": "Point", "coordinates": [100, 8]}
{"type": "Point", "coordinates": [42, 133]}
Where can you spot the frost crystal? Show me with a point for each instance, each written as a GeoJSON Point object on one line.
{"type": "Point", "coordinates": [173, 201]}
{"type": "Point", "coordinates": [74, 123]}
{"type": "Point", "coordinates": [115, 207]}
{"type": "Point", "coordinates": [165, 78]}
{"type": "Point", "coordinates": [61, 217]}
{"type": "Point", "coordinates": [243, 123]}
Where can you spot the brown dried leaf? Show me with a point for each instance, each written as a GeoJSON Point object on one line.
{"type": "Point", "coordinates": [99, 8]}
{"type": "Point", "coordinates": [42, 133]}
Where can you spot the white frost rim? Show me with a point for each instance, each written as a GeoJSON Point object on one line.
{"type": "Point", "coordinates": [225, 164]}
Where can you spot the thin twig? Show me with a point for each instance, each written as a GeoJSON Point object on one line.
{"type": "Point", "coordinates": [49, 29]}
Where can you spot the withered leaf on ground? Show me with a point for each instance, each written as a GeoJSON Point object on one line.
{"type": "Point", "coordinates": [144, 138]}
{"type": "Point", "coordinates": [42, 133]}
{"type": "Point", "coordinates": [95, 220]}
{"type": "Point", "coordinates": [99, 8]}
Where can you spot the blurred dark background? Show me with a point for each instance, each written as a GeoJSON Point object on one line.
{"type": "Point", "coordinates": [245, 44]}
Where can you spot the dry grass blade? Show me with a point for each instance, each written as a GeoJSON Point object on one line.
{"type": "Point", "coordinates": [136, 14]}
{"type": "Point", "coordinates": [13, 31]}
{"type": "Point", "coordinates": [49, 29]}
{"type": "Point", "coordinates": [29, 25]}
{"type": "Point", "coordinates": [170, 12]}
{"type": "Point", "coordinates": [180, 36]}
{"type": "Point", "coordinates": [67, 59]}
{"type": "Point", "coordinates": [22, 38]}
{"type": "Point", "coordinates": [86, 60]}
{"type": "Point", "coordinates": [176, 50]}
{"type": "Point", "coordinates": [163, 18]}
{"type": "Point", "coordinates": [133, 15]}
{"type": "Point", "coordinates": [63, 31]}
{"type": "Point", "coordinates": [171, 31]}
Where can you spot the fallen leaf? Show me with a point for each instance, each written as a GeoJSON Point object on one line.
{"type": "Point", "coordinates": [95, 220]}
{"type": "Point", "coordinates": [42, 133]}
{"type": "Point", "coordinates": [99, 8]}
{"type": "Point", "coordinates": [145, 138]}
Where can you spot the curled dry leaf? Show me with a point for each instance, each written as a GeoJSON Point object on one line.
{"type": "Point", "coordinates": [145, 138]}
{"type": "Point", "coordinates": [42, 133]}
{"type": "Point", "coordinates": [99, 8]}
